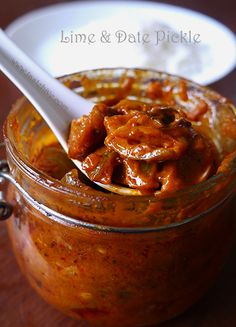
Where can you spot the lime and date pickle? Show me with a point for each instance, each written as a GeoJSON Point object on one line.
{"type": "Point", "coordinates": [147, 146]}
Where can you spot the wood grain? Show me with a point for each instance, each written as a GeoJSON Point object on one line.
{"type": "Point", "coordinates": [20, 306]}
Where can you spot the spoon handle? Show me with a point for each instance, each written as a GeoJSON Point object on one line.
{"type": "Point", "coordinates": [56, 103]}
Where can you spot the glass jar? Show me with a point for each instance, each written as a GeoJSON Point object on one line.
{"type": "Point", "coordinates": [116, 260]}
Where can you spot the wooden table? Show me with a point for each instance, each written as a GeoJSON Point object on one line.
{"type": "Point", "coordinates": [19, 305]}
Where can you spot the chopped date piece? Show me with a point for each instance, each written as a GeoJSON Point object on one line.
{"type": "Point", "coordinates": [195, 166]}
{"type": "Point", "coordinates": [141, 174]}
{"type": "Point", "coordinates": [100, 165]}
{"type": "Point", "coordinates": [87, 133]}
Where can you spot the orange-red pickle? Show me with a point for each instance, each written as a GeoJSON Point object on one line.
{"type": "Point", "coordinates": [146, 146]}
{"type": "Point", "coordinates": [151, 146]}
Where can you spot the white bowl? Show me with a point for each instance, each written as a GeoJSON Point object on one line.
{"type": "Point", "coordinates": [39, 34]}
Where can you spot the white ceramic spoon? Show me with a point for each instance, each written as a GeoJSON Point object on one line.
{"type": "Point", "coordinates": [57, 104]}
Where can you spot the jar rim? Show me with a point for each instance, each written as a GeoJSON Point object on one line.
{"type": "Point", "coordinates": [48, 181]}
{"type": "Point", "coordinates": [73, 222]}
